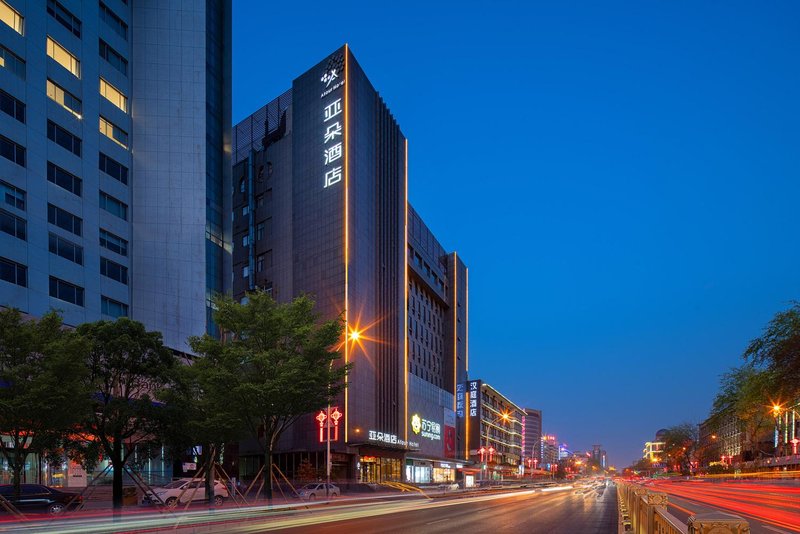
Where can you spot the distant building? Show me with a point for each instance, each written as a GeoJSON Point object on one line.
{"type": "Point", "coordinates": [548, 451]}
{"type": "Point", "coordinates": [497, 440]}
{"type": "Point", "coordinates": [721, 440]}
{"type": "Point", "coordinates": [532, 434]}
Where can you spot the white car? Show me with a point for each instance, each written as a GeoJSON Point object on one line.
{"type": "Point", "coordinates": [316, 490]}
{"type": "Point", "coordinates": [185, 489]}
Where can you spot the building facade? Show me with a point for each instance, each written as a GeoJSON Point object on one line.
{"type": "Point", "coordinates": [532, 434]}
{"type": "Point", "coordinates": [115, 126]}
{"type": "Point", "coordinates": [320, 206]}
{"type": "Point", "coordinates": [495, 432]}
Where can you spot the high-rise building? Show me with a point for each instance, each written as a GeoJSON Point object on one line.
{"type": "Point", "coordinates": [320, 206]}
{"type": "Point", "coordinates": [532, 434]}
{"type": "Point", "coordinates": [549, 451]}
{"type": "Point", "coordinates": [114, 167]}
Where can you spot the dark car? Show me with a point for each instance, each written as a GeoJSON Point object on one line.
{"type": "Point", "coordinates": [38, 498]}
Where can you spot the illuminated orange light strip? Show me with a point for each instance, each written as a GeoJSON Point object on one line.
{"type": "Point", "coordinates": [466, 344]}
{"type": "Point", "coordinates": [346, 235]}
{"type": "Point", "coordinates": [405, 291]}
{"type": "Point", "coordinates": [455, 325]}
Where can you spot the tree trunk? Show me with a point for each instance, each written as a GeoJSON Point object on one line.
{"type": "Point", "coordinates": [17, 467]}
{"type": "Point", "coordinates": [268, 471]}
{"type": "Point", "coordinates": [117, 469]}
{"type": "Point", "coordinates": [209, 475]}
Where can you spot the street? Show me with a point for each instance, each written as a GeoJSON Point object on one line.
{"type": "Point", "coordinates": [549, 510]}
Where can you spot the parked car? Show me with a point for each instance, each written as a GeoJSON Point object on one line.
{"type": "Point", "coordinates": [316, 490]}
{"type": "Point", "coordinates": [39, 498]}
{"type": "Point", "coordinates": [185, 489]}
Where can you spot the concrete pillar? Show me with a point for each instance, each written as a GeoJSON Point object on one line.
{"type": "Point", "coordinates": [718, 523]}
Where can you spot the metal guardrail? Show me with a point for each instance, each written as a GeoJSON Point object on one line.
{"type": "Point", "coordinates": [642, 511]}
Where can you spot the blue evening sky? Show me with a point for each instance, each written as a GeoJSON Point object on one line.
{"type": "Point", "coordinates": [622, 179]}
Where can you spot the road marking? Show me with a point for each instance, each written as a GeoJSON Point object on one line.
{"type": "Point", "coordinates": [438, 521]}
{"type": "Point", "coordinates": [776, 529]}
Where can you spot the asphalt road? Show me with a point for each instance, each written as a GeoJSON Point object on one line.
{"type": "Point", "coordinates": [592, 512]}
{"type": "Point", "coordinates": [550, 510]}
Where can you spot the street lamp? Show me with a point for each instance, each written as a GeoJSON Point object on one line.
{"type": "Point", "coordinates": [490, 450]}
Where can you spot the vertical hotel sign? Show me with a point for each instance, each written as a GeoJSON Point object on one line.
{"type": "Point", "coordinates": [333, 80]}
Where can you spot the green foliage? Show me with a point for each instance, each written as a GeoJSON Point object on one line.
{"type": "Point", "coordinates": [778, 349]}
{"type": "Point", "coordinates": [274, 363]}
{"type": "Point", "coordinates": [127, 368]}
{"type": "Point", "coordinates": [41, 392]}
{"type": "Point", "coordinates": [680, 445]}
{"type": "Point", "coordinates": [745, 396]}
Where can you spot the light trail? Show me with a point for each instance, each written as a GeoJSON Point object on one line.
{"type": "Point", "coordinates": [773, 504]}
{"type": "Point", "coordinates": [253, 518]}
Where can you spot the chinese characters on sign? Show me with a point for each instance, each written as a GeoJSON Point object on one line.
{"type": "Point", "coordinates": [333, 119]}
{"type": "Point", "coordinates": [391, 439]}
{"type": "Point", "coordinates": [474, 392]}
{"type": "Point", "coordinates": [460, 389]}
{"type": "Point", "coordinates": [332, 426]}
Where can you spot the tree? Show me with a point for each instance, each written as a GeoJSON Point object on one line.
{"type": "Point", "coordinates": [778, 349]}
{"type": "Point", "coordinates": [200, 411]}
{"type": "Point", "coordinates": [127, 368]}
{"type": "Point", "coordinates": [744, 395]}
{"type": "Point", "coordinates": [41, 388]}
{"type": "Point", "coordinates": [680, 444]}
{"type": "Point", "coordinates": [275, 362]}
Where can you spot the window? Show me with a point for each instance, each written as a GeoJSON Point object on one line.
{"type": "Point", "coordinates": [13, 225]}
{"type": "Point", "coordinates": [63, 97]}
{"type": "Point", "coordinates": [12, 151]}
{"type": "Point", "coordinates": [63, 138]}
{"type": "Point", "coordinates": [112, 307]}
{"type": "Point", "coordinates": [245, 209]}
{"type": "Point", "coordinates": [113, 206]}
{"type": "Point", "coordinates": [65, 291]}
{"type": "Point", "coordinates": [113, 168]}
{"type": "Point", "coordinates": [241, 185]}
{"type": "Point", "coordinates": [66, 249]}
{"type": "Point", "coordinates": [13, 272]}
{"type": "Point", "coordinates": [246, 240]}
{"type": "Point", "coordinates": [113, 242]}
{"type": "Point", "coordinates": [114, 59]}
{"type": "Point", "coordinates": [259, 231]}
{"type": "Point", "coordinates": [12, 106]}
{"type": "Point", "coordinates": [63, 15]}
{"type": "Point", "coordinates": [259, 201]}
{"type": "Point", "coordinates": [11, 16]}
{"type": "Point", "coordinates": [113, 270]}
{"type": "Point", "coordinates": [260, 263]}
{"type": "Point", "coordinates": [113, 95]}
{"type": "Point", "coordinates": [113, 132]}
{"type": "Point", "coordinates": [64, 179]}
{"type": "Point", "coordinates": [13, 196]}
{"type": "Point", "coordinates": [63, 57]}
{"type": "Point", "coordinates": [246, 271]}
{"type": "Point", "coordinates": [114, 22]}
{"type": "Point", "coordinates": [64, 220]}
{"type": "Point", "coordinates": [12, 62]}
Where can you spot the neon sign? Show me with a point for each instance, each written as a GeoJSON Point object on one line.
{"type": "Point", "coordinates": [332, 109]}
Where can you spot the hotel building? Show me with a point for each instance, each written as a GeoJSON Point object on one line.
{"type": "Point", "coordinates": [114, 171]}
{"type": "Point", "coordinates": [320, 206]}
{"type": "Point", "coordinates": [494, 431]}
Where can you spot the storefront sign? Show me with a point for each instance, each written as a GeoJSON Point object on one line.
{"type": "Point", "coordinates": [427, 429]}
{"type": "Point", "coordinates": [390, 439]}
{"type": "Point", "coordinates": [449, 434]}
